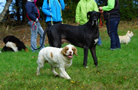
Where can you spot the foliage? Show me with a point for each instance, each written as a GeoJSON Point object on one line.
{"type": "Point", "coordinates": [128, 10]}
{"type": "Point", "coordinates": [70, 11]}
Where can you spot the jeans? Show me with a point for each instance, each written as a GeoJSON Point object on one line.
{"type": "Point", "coordinates": [34, 30]}
{"type": "Point", "coordinates": [112, 28]}
{"type": "Point", "coordinates": [99, 41]}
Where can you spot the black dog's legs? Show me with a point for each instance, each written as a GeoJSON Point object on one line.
{"type": "Point", "coordinates": [6, 49]}
{"type": "Point", "coordinates": [85, 56]}
{"type": "Point", "coordinates": [57, 44]}
{"type": "Point", "coordinates": [93, 52]}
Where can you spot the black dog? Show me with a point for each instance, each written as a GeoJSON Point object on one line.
{"type": "Point", "coordinates": [19, 44]}
{"type": "Point", "coordinates": [84, 36]}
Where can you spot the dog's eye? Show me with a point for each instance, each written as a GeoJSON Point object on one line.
{"type": "Point", "coordinates": [73, 49]}
{"type": "Point", "coordinates": [67, 49]}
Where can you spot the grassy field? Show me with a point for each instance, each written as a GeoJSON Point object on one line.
{"type": "Point", "coordinates": [117, 70]}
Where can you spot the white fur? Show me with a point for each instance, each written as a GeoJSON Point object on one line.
{"type": "Point", "coordinates": [96, 40]}
{"type": "Point", "coordinates": [126, 38]}
{"type": "Point", "coordinates": [57, 58]}
{"type": "Point", "coordinates": [12, 45]}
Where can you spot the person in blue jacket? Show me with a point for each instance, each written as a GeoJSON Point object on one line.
{"type": "Point", "coordinates": [33, 15]}
{"type": "Point", "coordinates": [53, 11]}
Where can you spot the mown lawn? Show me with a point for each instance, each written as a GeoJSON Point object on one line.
{"type": "Point", "coordinates": [117, 70]}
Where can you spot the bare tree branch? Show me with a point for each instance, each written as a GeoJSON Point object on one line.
{"type": "Point", "coordinates": [6, 8]}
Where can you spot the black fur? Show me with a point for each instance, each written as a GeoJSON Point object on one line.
{"type": "Point", "coordinates": [20, 45]}
{"type": "Point", "coordinates": [82, 36]}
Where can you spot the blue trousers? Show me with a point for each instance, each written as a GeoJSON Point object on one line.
{"type": "Point", "coordinates": [35, 29]}
{"type": "Point", "coordinates": [99, 41]}
{"type": "Point", "coordinates": [112, 29]}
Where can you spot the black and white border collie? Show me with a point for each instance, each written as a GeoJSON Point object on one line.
{"type": "Point", "coordinates": [12, 43]}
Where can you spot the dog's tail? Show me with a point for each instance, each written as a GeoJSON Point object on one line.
{"type": "Point", "coordinates": [44, 35]}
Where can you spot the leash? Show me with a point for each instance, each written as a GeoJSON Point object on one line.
{"type": "Point", "coordinates": [101, 19]}
{"type": "Point", "coordinates": [34, 23]}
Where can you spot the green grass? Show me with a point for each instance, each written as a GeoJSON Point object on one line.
{"type": "Point", "coordinates": [117, 70]}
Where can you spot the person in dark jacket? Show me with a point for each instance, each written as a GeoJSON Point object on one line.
{"type": "Point", "coordinates": [112, 16]}
{"type": "Point", "coordinates": [53, 11]}
{"type": "Point", "coordinates": [33, 15]}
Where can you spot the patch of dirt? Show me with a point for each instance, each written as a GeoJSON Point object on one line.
{"type": "Point", "coordinates": [21, 32]}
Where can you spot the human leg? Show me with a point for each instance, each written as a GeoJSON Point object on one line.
{"type": "Point", "coordinates": [111, 33]}
{"type": "Point", "coordinates": [40, 32]}
{"type": "Point", "coordinates": [116, 33]}
{"type": "Point", "coordinates": [112, 26]}
{"type": "Point", "coordinates": [33, 35]}
{"type": "Point", "coordinates": [99, 41]}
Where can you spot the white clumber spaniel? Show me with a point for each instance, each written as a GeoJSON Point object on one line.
{"type": "Point", "coordinates": [60, 58]}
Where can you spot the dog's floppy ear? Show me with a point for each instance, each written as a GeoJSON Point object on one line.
{"type": "Point", "coordinates": [128, 31]}
{"type": "Point", "coordinates": [63, 51]}
{"type": "Point", "coordinates": [75, 51]}
{"type": "Point", "coordinates": [88, 15]}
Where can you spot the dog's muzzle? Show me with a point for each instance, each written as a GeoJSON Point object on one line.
{"type": "Point", "coordinates": [94, 22]}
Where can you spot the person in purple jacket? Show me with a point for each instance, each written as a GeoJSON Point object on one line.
{"type": "Point", "coordinates": [33, 15]}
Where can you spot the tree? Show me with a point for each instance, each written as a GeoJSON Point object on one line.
{"type": "Point", "coordinates": [24, 13]}
{"type": "Point", "coordinates": [6, 8]}
{"type": "Point", "coordinates": [18, 10]}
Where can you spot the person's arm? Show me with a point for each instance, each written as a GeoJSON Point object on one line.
{"type": "Point", "coordinates": [110, 6]}
{"type": "Point", "coordinates": [62, 4]}
{"type": "Point", "coordinates": [46, 8]}
{"type": "Point", "coordinates": [29, 12]}
{"type": "Point", "coordinates": [95, 6]}
{"type": "Point", "coordinates": [77, 17]}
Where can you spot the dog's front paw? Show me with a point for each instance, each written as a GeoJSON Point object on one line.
{"type": "Point", "coordinates": [68, 78]}
{"type": "Point", "coordinates": [86, 66]}
{"type": "Point", "coordinates": [56, 74]}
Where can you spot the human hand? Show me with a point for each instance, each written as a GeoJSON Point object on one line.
{"type": "Point", "coordinates": [36, 20]}
{"type": "Point", "coordinates": [101, 8]}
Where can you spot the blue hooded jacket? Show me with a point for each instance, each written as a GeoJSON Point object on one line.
{"type": "Point", "coordinates": [53, 10]}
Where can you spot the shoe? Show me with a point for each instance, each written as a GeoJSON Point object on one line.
{"type": "Point", "coordinates": [113, 49]}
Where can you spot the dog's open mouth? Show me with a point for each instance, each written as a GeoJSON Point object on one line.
{"type": "Point", "coordinates": [70, 56]}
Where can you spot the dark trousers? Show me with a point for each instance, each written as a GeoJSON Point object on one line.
{"type": "Point", "coordinates": [50, 23]}
{"type": "Point", "coordinates": [112, 28]}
